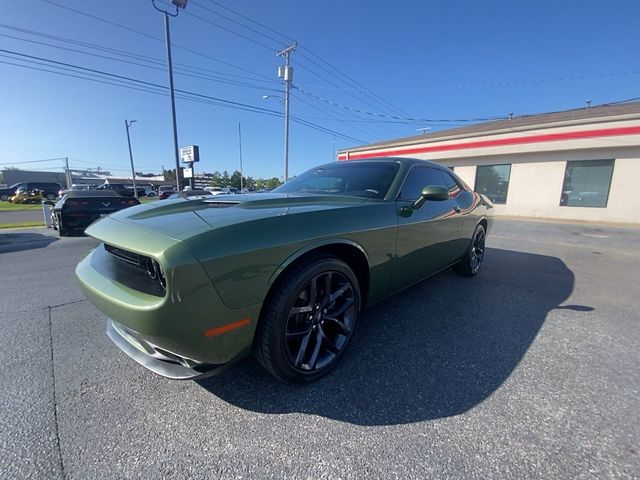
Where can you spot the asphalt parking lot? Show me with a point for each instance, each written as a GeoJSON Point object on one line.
{"type": "Point", "coordinates": [530, 370]}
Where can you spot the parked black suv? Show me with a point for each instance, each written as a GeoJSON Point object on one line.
{"type": "Point", "coordinates": [49, 189]}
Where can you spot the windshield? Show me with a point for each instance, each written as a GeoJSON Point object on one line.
{"type": "Point", "coordinates": [358, 179]}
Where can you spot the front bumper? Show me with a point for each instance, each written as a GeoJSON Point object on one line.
{"type": "Point", "coordinates": [157, 360]}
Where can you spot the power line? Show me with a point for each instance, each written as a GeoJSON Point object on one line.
{"type": "Point", "coordinates": [238, 34]}
{"type": "Point", "coordinates": [334, 118]}
{"type": "Point", "coordinates": [128, 54]}
{"type": "Point", "coordinates": [218, 14]}
{"type": "Point", "coordinates": [286, 37]}
{"type": "Point", "coordinates": [481, 84]}
{"type": "Point", "coordinates": [369, 96]}
{"type": "Point", "coordinates": [157, 68]}
{"type": "Point", "coordinates": [419, 120]}
{"type": "Point", "coordinates": [152, 37]}
{"type": "Point", "coordinates": [187, 95]}
{"type": "Point", "coordinates": [373, 98]}
{"type": "Point", "coordinates": [34, 161]}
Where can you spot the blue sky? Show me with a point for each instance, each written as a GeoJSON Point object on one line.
{"type": "Point", "coordinates": [416, 60]}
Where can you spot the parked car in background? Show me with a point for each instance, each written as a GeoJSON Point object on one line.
{"type": "Point", "coordinates": [165, 191]}
{"type": "Point", "coordinates": [6, 193]}
{"type": "Point", "coordinates": [121, 189]}
{"type": "Point", "coordinates": [31, 196]}
{"type": "Point", "coordinates": [149, 192]}
{"type": "Point", "coordinates": [283, 274]}
{"type": "Point", "coordinates": [49, 189]}
{"type": "Point", "coordinates": [222, 190]}
{"type": "Point", "coordinates": [76, 210]}
{"type": "Point", "coordinates": [191, 194]}
{"type": "Point", "coordinates": [142, 192]}
{"type": "Point", "coordinates": [77, 187]}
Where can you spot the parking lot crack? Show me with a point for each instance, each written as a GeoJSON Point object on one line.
{"type": "Point", "coordinates": [48, 307]}
{"type": "Point", "coordinates": [53, 388]}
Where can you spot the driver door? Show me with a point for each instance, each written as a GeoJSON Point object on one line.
{"type": "Point", "coordinates": [428, 236]}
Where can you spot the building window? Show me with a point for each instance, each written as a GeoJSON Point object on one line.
{"type": "Point", "coordinates": [493, 181]}
{"type": "Point", "coordinates": [586, 183]}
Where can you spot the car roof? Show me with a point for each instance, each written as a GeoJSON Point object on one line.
{"type": "Point", "coordinates": [91, 193]}
{"type": "Point", "coordinates": [399, 160]}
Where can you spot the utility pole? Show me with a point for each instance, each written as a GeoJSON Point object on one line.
{"type": "Point", "coordinates": [67, 173]}
{"type": "Point", "coordinates": [167, 36]}
{"type": "Point", "coordinates": [286, 73]}
{"type": "Point", "coordinates": [133, 172]}
{"type": "Point", "coordinates": [240, 145]}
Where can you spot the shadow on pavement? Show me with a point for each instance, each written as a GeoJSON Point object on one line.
{"type": "Point", "coordinates": [16, 242]}
{"type": "Point", "coordinates": [435, 350]}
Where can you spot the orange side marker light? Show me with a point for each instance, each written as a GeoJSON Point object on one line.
{"type": "Point", "coordinates": [214, 332]}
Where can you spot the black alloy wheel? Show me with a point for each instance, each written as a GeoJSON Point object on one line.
{"type": "Point", "coordinates": [320, 321]}
{"type": "Point", "coordinates": [4, 197]}
{"type": "Point", "coordinates": [473, 258]}
{"type": "Point", "coordinates": [308, 321]}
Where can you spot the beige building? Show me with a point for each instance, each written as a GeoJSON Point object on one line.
{"type": "Point", "coordinates": [579, 164]}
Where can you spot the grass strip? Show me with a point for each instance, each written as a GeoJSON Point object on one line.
{"type": "Point", "coordinates": [13, 207]}
{"type": "Point", "coordinates": [22, 224]}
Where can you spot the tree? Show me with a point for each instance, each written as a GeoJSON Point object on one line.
{"type": "Point", "coordinates": [170, 175]}
{"type": "Point", "coordinates": [272, 183]}
{"type": "Point", "coordinates": [234, 180]}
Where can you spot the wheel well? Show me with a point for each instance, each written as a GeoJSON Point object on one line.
{"type": "Point", "coordinates": [349, 254]}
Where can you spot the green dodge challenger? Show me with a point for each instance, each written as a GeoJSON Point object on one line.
{"type": "Point", "coordinates": [191, 285]}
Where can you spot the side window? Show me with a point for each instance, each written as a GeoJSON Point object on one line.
{"type": "Point", "coordinates": [452, 185]}
{"type": "Point", "coordinates": [417, 179]}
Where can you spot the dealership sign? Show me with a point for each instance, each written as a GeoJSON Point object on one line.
{"type": "Point", "coordinates": [190, 154]}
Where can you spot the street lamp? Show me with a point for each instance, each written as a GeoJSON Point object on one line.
{"type": "Point", "coordinates": [133, 172]}
{"type": "Point", "coordinates": [178, 4]}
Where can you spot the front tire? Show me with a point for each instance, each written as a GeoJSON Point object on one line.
{"type": "Point", "coordinates": [308, 320]}
{"type": "Point", "coordinates": [470, 264]}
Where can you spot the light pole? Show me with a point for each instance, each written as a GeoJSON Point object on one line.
{"type": "Point", "coordinates": [240, 145]}
{"type": "Point", "coordinates": [286, 73]}
{"type": "Point", "coordinates": [167, 36]}
{"type": "Point", "coordinates": [133, 172]}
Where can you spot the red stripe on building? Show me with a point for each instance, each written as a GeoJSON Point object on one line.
{"type": "Point", "coordinates": [548, 137]}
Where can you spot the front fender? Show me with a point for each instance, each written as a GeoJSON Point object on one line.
{"type": "Point", "coordinates": [315, 246]}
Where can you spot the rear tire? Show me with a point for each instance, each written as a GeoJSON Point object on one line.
{"type": "Point", "coordinates": [4, 197]}
{"type": "Point", "coordinates": [308, 320]}
{"type": "Point", "coordinates": [61, 230]}
{"type": "Point", "coordinates": [470, 264]}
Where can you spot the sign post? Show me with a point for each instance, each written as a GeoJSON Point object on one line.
{"type": "Point", "coordinates": [190, 155]}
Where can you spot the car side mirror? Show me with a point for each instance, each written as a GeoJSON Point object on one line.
{"type": "Point", "coordinates": [431, 192]}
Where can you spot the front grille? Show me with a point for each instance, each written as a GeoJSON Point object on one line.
{"type": "Point", "coordinates": [126, 256]}
{"type": "Point", "coordinates": [141, 262]}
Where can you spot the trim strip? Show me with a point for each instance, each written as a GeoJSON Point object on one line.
{"type": "Point", "coordinates": [548, 137]}
{"type": "Point", "coordinates": [214, 332]}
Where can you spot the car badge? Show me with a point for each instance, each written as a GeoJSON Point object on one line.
{"type": "Point", "coordinates": [106, 204]}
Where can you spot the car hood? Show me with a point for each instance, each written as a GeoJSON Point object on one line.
{"type": "Point", "coordinates": [181, 218]}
